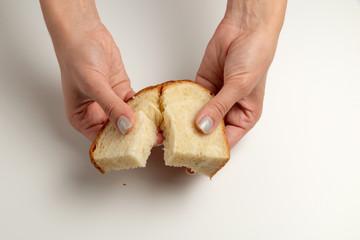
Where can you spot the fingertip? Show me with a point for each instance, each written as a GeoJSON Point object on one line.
{"type": "Point", "coordinates": [159, 140]}
{"type": "Point", "coordinates": [129, 95]}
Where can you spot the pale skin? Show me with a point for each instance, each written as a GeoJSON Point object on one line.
{"type": "Point", "coordinates": [234, 67]}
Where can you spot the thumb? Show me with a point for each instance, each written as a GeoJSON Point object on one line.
{"type": "Point", "coordinates": [118, 112]}
{"type": "Point", "coordinates": [211, 114]}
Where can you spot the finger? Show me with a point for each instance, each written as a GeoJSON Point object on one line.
{"type": "Point", "coordinates": [234, 134]}
{"type": "Point", "coordinates": [243, 116]}
{"type": "Point", "coordinates": [93, 121]}
{"type": "Point", "coordinates": [214, 111]}
{"type": "Point", "coordinates": [239, 121]}
{"type": "Point", "coordinates": [119, 113]}
{"type": "Point", "coordinates": [207, 84]}
{"type": "Point", "coordinates": [88, 119]}
{"type": "Point", "coordinates": [119, 80]}
{"type": "Point", "coordinates": [123, 89]}
{"type": "Point", "coordinates": [159, 139]}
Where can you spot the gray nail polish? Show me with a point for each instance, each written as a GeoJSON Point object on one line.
{"type": "Point", "coordinates": [123, 124]}
{"type": "Point", "coordinates": [205, 124]}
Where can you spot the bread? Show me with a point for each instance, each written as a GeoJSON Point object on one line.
{"type": "Point", "coordinates": [172, 106]}
{"type": "Point", "coordinates": [113, 151]}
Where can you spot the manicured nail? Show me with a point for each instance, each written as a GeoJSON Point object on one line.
{"type": "Point", "coordinates": [123, 124]}
{"type": "Point", "coordinates": [205, 124]}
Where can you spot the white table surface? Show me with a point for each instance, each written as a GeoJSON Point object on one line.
{"type": "Point", "coordinates": [296, 175]}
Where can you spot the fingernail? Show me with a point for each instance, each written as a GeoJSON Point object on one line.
{"type": "Point", "coordinates": [205, 124]}
{"type": "Point", "coordinates": [123, 124]}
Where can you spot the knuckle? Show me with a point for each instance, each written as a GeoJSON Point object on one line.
{"type": "Point", "coordinates": [75, 121]}
{"type": "Point", "coordinates": [256, 112]}
{"type": "Point", "coordinates": [253, 118]}
{"type": "Point", "coordinates": [246, 117]}
{"type": "Point", "coordinates": [71, 117]}
{"type": "Point", "coordinates": [110, 109]}
{"type": "Point", "coordinates": [243, 85]}
{"type": "Point", "coordinates": [92, 86]}
{"type": "Point", "coordinates": [220, 108]}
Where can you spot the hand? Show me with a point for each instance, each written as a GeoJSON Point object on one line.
{"type": "Point", "coordinates": [95, 83]}
{"type": "Point", "coordinates": [234, 67]}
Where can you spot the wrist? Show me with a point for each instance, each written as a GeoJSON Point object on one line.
{"type": "Point", "coordinates": [249, 15]}
{"type": "Point", "coordinates": [67, 19]}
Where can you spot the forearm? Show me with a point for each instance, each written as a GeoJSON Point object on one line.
{"type": "Point", "coordinates": [252, 14]}
{"type": "Point", "coordinates": [67, 18]}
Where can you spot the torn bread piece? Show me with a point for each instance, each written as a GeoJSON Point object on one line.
{"type": "Point", "coordinates": [113, 151]}
{"type": "Point", "coordinates": [184, 144]}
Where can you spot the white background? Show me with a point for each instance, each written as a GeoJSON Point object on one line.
{"type": "Point", "coordinates": [296, 175]}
